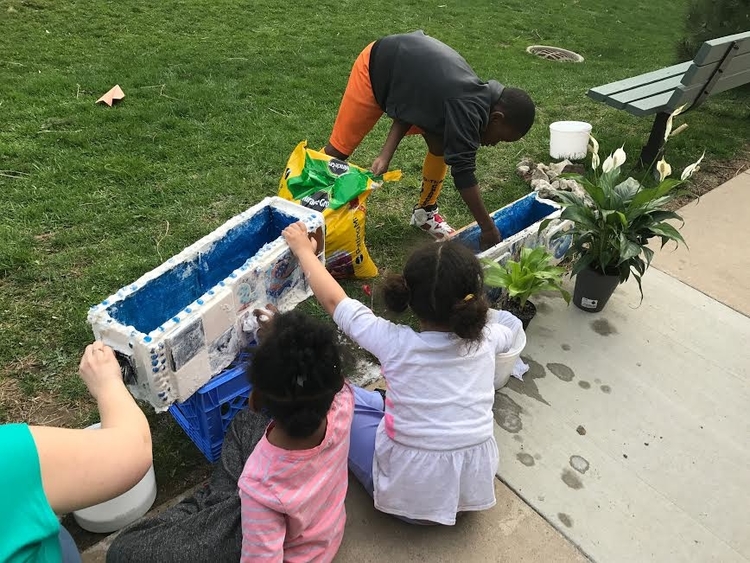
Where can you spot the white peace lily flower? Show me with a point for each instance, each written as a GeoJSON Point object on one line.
{"type": "Point", "coordinates": [664, 169]}
{"type": "Point", "coordinates": [594, 161]}
{"type": "Point", "coordinates": [692, 169]}
{"type": "Point", "coordinates": [594, 150]}
{"type": "Point", "coordinates": [609, 164]}
{"type": "Point", "coordinates": [671, 117]}
{"type": "Point", "coordinates": [619, 157]}
{"type": "Point", "coordinates": [594, 145]}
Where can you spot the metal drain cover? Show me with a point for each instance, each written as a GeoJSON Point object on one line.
{"type": "Point", "coordinates": [554, 54]}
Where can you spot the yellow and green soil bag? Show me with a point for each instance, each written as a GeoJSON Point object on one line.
{"type": "Point", "coordinates": [339, 190]}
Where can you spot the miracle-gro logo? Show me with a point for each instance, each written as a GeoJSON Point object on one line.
{"type": "Point", "coordinates": [317, 201]}
{"type": "Point", "coordinates": [338, 167]}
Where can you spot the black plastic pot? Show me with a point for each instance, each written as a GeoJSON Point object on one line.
{"type": "Point", "coordinates": [593, 290]}
{"type": "Point", "coordinates": [525, 313]}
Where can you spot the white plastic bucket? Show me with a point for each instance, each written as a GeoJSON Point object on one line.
{"type": "Point", "coordinates": [121, 511]}
{"type": "Point", "coordinates": [569, 139]}
{"type": "Point", "coordinates": [504, 362]}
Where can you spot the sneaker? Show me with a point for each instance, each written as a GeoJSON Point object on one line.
{"type": "Point", "coordinates": [429, 219]}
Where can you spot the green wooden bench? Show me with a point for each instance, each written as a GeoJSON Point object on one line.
{"type": "Point", "coordinates": [720, 65]}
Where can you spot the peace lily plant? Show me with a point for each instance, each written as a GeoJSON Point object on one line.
{"type": "Point", "coordinates": [615, 220]}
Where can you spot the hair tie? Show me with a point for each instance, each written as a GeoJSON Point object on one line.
{"type": "Point", "coordinates": [469, 297]}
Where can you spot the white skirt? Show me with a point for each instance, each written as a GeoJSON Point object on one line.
{"type": "Point", "coordinates": [430, 484]}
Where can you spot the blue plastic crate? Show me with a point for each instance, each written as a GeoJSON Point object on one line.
{"type": "Point", "coordinates": [206, 415]}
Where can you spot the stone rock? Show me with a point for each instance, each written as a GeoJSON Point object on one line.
{"type": "Point", "coordinates": [539, 173]}
{"type": "Point", "coordinates": [543, 188]}
{"type": "Point", "coordinates": [555, 169]}
{"type": "Point", "coordinates": [523, 168]}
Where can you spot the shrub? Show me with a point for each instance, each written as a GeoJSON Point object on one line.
{"type": "Point", "coordinates": [710, 19]}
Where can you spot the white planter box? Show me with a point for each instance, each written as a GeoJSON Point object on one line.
{"type": "Point", "coordinates": [180, 324]}
{"type": "Point", "coordinates": [519, 225]}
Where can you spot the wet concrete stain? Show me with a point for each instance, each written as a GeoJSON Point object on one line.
{"type": "Point", "coordinates": [581, 430]}
{"type": "Point", "coordinates": [543, 331]}
{"type": "Point", "coordinates": [603, 327]}
{"type": "Point", "coordinates": [565, 347]}
{"type": "Point", "coordinates": [537, 456]}
{"type": "Point", "coordinates": [584, 384]}
{"type": "Point", "coordinates": [597, 381]}
{"type": "Point", "coordinates": [543, 307]}
{"type": "Point", "coordinates": [525, 459]}
{"type": "Point", "coordinates": [565, 519]}
{"type": "Point", "coordinates": [606, 389]}
{"type": "Point", "coordinates": [571, 479]}
{"type": "Point", "coordinates": [528, 386]}
{"type": "Point", "coordinates": [561, 371]}
{"type": "Point", "coordinates": [518, 437]}
{"type": "Point", "coordinates": [579, 463]}
{"type": "Point", "coordinates": [507, 413]}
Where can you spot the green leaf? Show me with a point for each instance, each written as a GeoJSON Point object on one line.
{"type": "Point", "coordinates": [628, 249]}
{"type": "Point", "coordinates": [668, 232]}
{"type": "Point", "coordinates": [543, 225]}
{"type": "Point", "coordinates": [522, 278]}
{"type": "Point", "coordinates": [650, 194]}
{"type": "Point", "coordinates": [580, 215]}
{"type": "Point", "coordinates": [583, 262]}
{"type": "Point", "coordinates": [624, 192]}
{"type": "Point", "coordinates": [649, 254]}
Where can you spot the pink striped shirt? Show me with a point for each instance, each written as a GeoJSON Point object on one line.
{"type": "Point", "coordinates": [293, 500]}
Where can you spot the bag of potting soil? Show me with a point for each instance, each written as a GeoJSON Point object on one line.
{"type": "Point", "coordinates": [339, 190]}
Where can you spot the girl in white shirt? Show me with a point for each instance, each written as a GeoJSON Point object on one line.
{"type": "Point", "coordinates": [426, 451]}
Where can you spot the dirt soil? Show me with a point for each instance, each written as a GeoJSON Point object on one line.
{"type": "Point", "coordinates": [712, 176]}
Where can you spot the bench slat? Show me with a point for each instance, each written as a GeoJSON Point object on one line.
{"type": "Point", "coordinates": [713, 51]}
{"type": "Point", "coordinates": [621, 99]}
{"type": "Point", "coordinates": [601, 93]}
{"type": "Point", "coordinates": [649, 106]}
{"type": "Point", "coordinates": [727, 82]}
{"type": "Point", "coordinates": [701, 74]}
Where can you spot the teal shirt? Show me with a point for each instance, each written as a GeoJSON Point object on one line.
{"type": "Point", "coordinates": [29, 528]}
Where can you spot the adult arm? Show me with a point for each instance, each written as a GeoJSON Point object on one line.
{"type": "Point", "coordinates": [81, 468]}
{"type": "Point", "coordinates": [326, 289]}
{"type": "Point", "coordinates": [395, 135]}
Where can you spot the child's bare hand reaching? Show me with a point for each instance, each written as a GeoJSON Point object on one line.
{"type": "Point", "coordinates": [325, 288]}
{"type": "Point", "coordinates": [263, 318]}
{"type": "Point", "coordinates": [299, 240]}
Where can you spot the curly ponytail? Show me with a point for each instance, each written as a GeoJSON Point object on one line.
{"type": "Point", "coordinates": [443, 285]}
{"type": "Point", "coordinates": [468, 317]}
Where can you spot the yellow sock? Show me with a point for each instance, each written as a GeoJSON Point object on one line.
{"type": "Point", "coordinates": [434, 170]}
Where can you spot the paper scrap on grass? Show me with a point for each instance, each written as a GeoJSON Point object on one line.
{"type": "Point", "coordinates": [112, 96]}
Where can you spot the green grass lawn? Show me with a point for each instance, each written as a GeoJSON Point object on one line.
{"type": "Point", "coordinates": [217, 95]}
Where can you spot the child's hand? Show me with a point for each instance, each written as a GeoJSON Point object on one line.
{"type": "Point", "coordinates": [298, 239]}
{"type": "Point", "coordinates": [380, 165]}
{"type": "Point", "coordinates": [263, 318]}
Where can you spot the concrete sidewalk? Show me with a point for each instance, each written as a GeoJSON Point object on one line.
{"type": "Point", "coordinates": [717, 231]}
{"type": "Point", "coordinates": [510, 531]}
{"type": "Point", "coordinates": [630, 432]}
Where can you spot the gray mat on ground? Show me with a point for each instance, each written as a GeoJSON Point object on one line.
{"type": "Point", "coordinates": [206, 526]}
